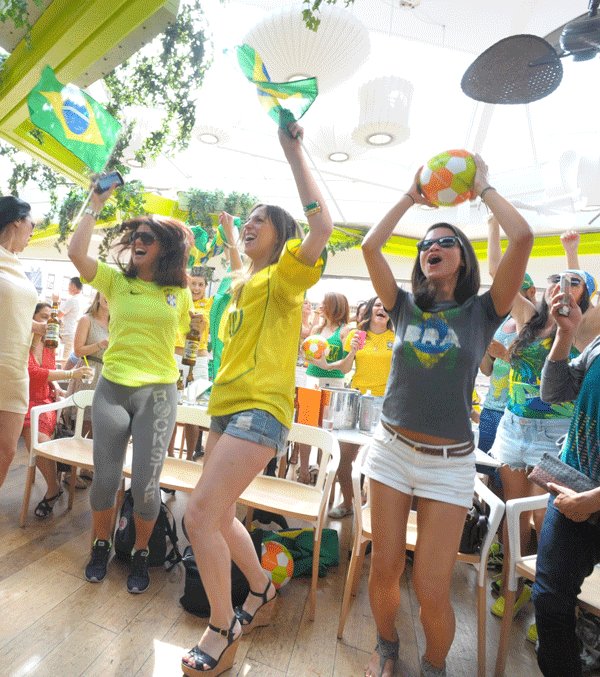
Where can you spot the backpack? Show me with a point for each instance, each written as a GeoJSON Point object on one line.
{"type": "Point", "coordinates": [157, 545]}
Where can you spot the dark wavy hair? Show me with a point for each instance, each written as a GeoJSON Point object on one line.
{"type": "Point", "coordinates": [12, 209]}
{"type": "Point", "coordinates": [536, 324]}
{"type": "Point", "coordinates": [363, 325]}
{"type": "Point", "coordinates": [175, 240]}
{"type": "Point", "coordinates": [39, 306]}
{"type": "Point", "coordinates": [468, 281]}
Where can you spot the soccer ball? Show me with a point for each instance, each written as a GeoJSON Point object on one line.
{"type": "Point", "coordinates": [315, 347]}
{"type": "Point", "coordinates": [277, 562]}
{"type": "Point", "coordinates": [447, 179]}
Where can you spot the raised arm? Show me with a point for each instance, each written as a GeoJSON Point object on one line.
{"type": "Point", "coordinates": [379, 269]}
{"type": "Point", "coordinates": [510, 271]}
{"type": "Point", "coordinates": [570, 242]}
{"type": "Point", "coordinates": [80, 240]}
{"type": "Point", "coordinates": [235, 260]}
{"type": "Point", "coordinates": [319, 221]}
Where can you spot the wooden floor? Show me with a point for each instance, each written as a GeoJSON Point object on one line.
{"type": "Point", "coordinates": [55, 624]}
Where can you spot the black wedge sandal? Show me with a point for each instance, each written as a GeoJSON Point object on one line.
{"type": "Point", "coordinates": [387, 650]}
{"type": "Point", "coordinates": [262, 616]}
{"type": "Point", "coordinates": [46, 505]}
{"type": "Point", "coordinates": [215, 665]}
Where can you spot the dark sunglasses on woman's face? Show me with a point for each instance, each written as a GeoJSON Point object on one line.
{"type": "Point", "coordinates": [447, 242]}
{"type": "Point", "coordinates": [555, 279]}
{"type": "Point", "coordinates": [146, 238]}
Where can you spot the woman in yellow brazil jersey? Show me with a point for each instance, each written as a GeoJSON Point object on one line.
{"type": "Point", "coordinates": [251, 410]}
{"type": "Point", "coordinates": [136, 396]}
{"type": "Point", "coordinates": [373, 362]}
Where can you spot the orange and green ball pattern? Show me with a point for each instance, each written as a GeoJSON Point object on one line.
{"type": "Point", "coordinates": [447, 179]}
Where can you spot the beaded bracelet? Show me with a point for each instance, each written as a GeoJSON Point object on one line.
{"type": "Point", "coordinates": [313, 208]}
{"type": "Point", "coordinates": [92, 213]}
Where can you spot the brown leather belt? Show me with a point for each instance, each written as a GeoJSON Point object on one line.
{"type": "Point", "coordinates": [444, 450]}
{"type": "Point", "coordinates": [91, 358]}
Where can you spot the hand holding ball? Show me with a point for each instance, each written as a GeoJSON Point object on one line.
{"type": "Point", "coordinates": [447, 179]}
{"type": "Point", "coordinates": [315, 347]}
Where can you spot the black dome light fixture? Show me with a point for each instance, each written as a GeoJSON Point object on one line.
{"type": "Point", "coordinates": [526, 68]}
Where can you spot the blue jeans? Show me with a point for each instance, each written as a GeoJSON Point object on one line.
{"type": "Point", "coordinates": [567, 553]}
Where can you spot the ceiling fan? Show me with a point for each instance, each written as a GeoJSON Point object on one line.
{"type": "Point", "coordinates": [525, 68]}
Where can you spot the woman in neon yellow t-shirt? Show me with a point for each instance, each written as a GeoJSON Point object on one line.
{"type": "Point", "coordinates": [136, 395]}
{"type": "Point", "coordinates": [252, 404]}
{"type": "Point", "coordinates": [373, 363]}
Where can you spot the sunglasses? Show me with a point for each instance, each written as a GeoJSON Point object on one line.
{"type": "Point", "coordinates": [555, 279]}
{"type": "Point", "coordinates": [146, 238]}
{"type": "Point", "coordinates": [447, 242]}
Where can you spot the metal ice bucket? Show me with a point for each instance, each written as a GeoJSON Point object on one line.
{"type": "Point", "coordinates": [340, 407]}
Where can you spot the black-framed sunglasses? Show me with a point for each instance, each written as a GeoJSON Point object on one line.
{"type": "Point", "coordinates": [555, 279]}
{"type": "Point", "coordinates": [447, 242]}
{"type": "Point", "coordinates": [146, 238]}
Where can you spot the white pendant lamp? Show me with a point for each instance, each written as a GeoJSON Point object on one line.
{"type": "Point", "coordinates": [211, 135]}
{"type": "Point", "coordinates": [291, 51]}
{"type": "Point", "coordinates": [332, 144]}
{"type": "Point", "coordinates": [384, 112]}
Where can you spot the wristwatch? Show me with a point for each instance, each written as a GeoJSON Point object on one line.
{"type": "Point", "coordinates": [91, 212]}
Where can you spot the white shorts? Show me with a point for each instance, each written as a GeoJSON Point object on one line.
{"type": "Point", "coordinates": [397, 465]}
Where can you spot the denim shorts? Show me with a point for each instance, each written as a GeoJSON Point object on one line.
{"type": "Point", "coordinates": [254, 425]}
{"type": "Point", "coordinates": [520, 442]}
{"type": "Point", "coordinates": [397, 465]}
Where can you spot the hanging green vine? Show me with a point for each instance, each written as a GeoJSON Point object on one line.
{"type": "Point", "coordinates": [311, 12]}
{"type": "Point", "coordinates": [16, 11]}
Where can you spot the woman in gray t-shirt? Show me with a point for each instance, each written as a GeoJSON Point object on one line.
{"type": "Point", "coordinates": [424, 445]}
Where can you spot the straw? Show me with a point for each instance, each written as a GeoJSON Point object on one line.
{"type": "Point", "coordinates": [85, 360]}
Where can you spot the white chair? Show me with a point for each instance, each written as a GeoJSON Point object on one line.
{"type": "Point", "coordinates": [303, 501]}
{"type": "Point", "coordinates": [363, 534]}
{"type": "Point", "coordinates": [74, 451]}
{"type": "Point", "coordinates": [524, 566]}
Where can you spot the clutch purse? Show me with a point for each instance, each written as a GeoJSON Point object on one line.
{"type": "Point", "coordinates": [552, 469]}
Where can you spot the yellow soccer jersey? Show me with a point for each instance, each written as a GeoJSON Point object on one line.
{"type": "Point", "coordinates": [203, 306]}
{"type": "Point", "coordinates": [261, 335]}
{"type": "Point", "coordinates": [373, 362]}
{"type": "Point", "coordinates": [144, 319]}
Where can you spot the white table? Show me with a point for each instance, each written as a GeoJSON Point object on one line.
{"type": "Point", "coordinates": [356, 436]}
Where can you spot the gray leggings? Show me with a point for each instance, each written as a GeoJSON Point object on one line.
{"type": "Point", "coordinates": [147, 415]}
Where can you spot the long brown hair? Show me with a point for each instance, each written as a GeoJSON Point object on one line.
{"type": "Point", "coordinates": [335, 309]}
{"type": "Point", "coordinates": [468, 281]}
{"type": "Point", "coordinates": [175, 240]}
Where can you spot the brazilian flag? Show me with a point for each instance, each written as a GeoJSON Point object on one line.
{"type": "Point", "coordinates": [74, 119]}
{"type": "Point", "coordinates": [298, 96]}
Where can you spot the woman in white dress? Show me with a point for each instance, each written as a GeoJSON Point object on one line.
{"type": "Point", "coordinates": [17, 300]}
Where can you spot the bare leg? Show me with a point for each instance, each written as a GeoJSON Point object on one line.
{"type": "Point", "coordinates": [46, 466]}
{"type": "Point", "coordinates": [103, 524]}
{"type": "Point", "coordinates": [143, 531]}
{"type": "Point", "coordinates": [192, 432]}
{"type": "Point", "coordinates": [304, 455]}
{"type": "Point", "coordinates": [230, 465]}
{"type": "Point", "coordinates": [344, 473]}
{"type": "Point", "coordinates": [389, 511]}
{"type": "Point", "coordinates": [11, 425]}
{"type": "Point", "coordinates": [439, 527]}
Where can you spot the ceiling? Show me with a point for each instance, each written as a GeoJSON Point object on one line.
{"type": "Point", "coordinates": [431, 46]}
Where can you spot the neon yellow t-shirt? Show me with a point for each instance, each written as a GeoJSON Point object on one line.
{"type": "Point", "coordinates": [258, 362]}
{"type": "Point", "coordinates": [373, 362]}
{"type": "Point", "coordinates": [203, 306]}
{"type": "Point", "coordinates": [144, 318]}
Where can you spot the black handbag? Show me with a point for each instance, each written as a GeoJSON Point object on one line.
{"type": "Point", "coordinates": [475, 529]}
{"type": "Point", "coordinates": [194, 599]}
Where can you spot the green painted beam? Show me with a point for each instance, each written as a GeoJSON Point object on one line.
{"type": "Point", "coordinates": [69, 36]}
